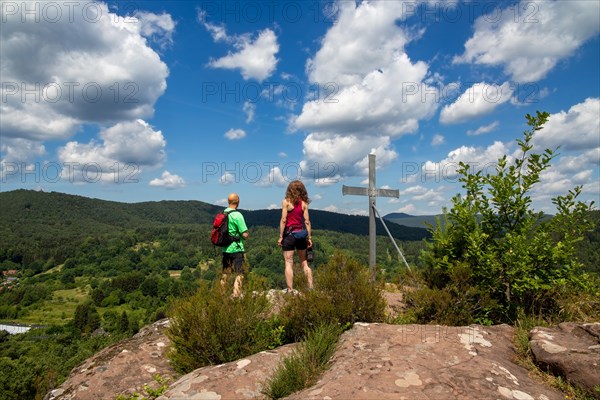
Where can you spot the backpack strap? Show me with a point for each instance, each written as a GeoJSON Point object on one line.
{"type": "Point", "coordinates": [236, 238]}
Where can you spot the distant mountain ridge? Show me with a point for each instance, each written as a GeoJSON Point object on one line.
{"type": "Point", "coordinates": [424, 221]}
{"type": "Point", "coordinates": [65, 218]}
{"type": "Point", "coordinates": [415, 221]}
{"type": "Point", "coordinates": [397, 215]}
{"type": "Point", "coordinates": [51, 204]}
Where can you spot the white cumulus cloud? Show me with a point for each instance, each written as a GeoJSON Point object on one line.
{"type": "Point", "coordinates": [157, 27]}
{"type": "Point", "coordinates": [577, 132]}
{"type": "Point", "coordinates": [21, 150]}
{"type": "Point", "coordinates": [482, 130]}
{"type": "Point", "coordinates": [438, 140]}
{"type": "Point", "coordinates": [168, 180]}
{"type": "Point", "coordinates": [125, 149]}
{"type": "Point", "coordinates": [94, 68]}
{"type": "Point", "coordinates": [339, 155]}
{"type": "Point", "coordinates": [372, 91]}
{"type": "Point", "coordinates": [478, 100]}
{"type": "Point", "coordinates": [249, 109]}
{"type": "Point", "coordinates": [528, 39]}
{"type": "Point", "coordinates": [235, 134]}
{"type": "Point", "coordinates": [275, 177]}
{"type": "Point", "coordinates": [255, 57]}
{"type": "Point", "coordinates": [575, 129]}
{"type": "Point", "coordinates": [478, 158]}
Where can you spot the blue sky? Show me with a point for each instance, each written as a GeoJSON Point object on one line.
{"type": "Point", "coordinates": [191, 100]}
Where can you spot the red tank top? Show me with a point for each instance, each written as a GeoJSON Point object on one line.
{"type": "Point", "coordinates": [294, 217]}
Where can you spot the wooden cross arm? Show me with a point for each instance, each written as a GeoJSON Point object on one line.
{"type": "Point", "coordinates": [360, 191]}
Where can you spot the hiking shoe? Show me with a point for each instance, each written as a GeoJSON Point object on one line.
{"type": "Point", "coordinates": [288, 291]}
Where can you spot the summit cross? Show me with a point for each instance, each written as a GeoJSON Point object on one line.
{"type": "Point", "coordinates": [373, 192]}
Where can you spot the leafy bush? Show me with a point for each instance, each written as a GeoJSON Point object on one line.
{"type": "Point", "coordinates": [303, 366]}
{"type": "Point", "coordinates": [514, 256]}
{"type": "Point", "coordinates": [578, 305]}
{"type": "Point", "coordinates": [343, 294]}
{"type": "Point", "coordinates": [457, 303]}
{"type": "Point", "coordinates": [211, 328]}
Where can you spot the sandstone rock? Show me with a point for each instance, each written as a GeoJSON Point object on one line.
{"type": "Point", "coordinates": [122, 368]}
{"type": "Point", "coordinates": [373, 361]}
{"type": "Point", "coordinates": [571, 351]}
{"type": "Point", "coordinates": [380, 361]}
{"type": "Point", "coordinates": [240, 379]}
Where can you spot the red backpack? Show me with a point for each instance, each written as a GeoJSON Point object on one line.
{"type": "Point", "coordinates": [219, 235]}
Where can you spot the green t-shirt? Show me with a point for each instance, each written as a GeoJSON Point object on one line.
{"type": "Point", "coordinates": [237, 226]}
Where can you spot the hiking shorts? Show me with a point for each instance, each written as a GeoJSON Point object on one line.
{"type": "Point", "coordinates": [233, 262]}
{"type": "Point", "coordinates": [289, 242]}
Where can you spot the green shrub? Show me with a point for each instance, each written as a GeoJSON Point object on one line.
{"type": "Point", "coordinates": [513, 255]}
{"type": "Point", "coordinates": [302, 368]}
{"type": "Point", "coordinates": [457, 303]}
{"type": "Point", "coordinates": [211, 328]}
{"type": "Point", "coordinates": [580, 304]}
{"type": "Point", "coordinates": [343, 294]}
{"type": "Point", "coordinates": [150, 392]}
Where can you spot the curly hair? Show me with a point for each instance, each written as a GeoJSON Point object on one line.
{"type": "Point", "coordinates": [296, 191]}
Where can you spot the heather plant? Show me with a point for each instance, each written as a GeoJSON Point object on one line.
{"type": "Point", "coordinates": [495, 254]}
{"type": "Point", "coordinates": [210, 327]}
{"type": "Point", "coordinates": [343, 294]}
{"type": "Point", "coordinates": [456, 303]}
{"type": "Point", "coordinates": [305, 364]}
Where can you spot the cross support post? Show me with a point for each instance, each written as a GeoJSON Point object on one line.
{"type": "Point", "coordinates": [372, 192]}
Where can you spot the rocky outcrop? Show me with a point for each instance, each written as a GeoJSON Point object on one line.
{"type": "Point", "coordinates": [379, 361]}
{"type": "Point", "coordinates": [242, 379]}
{"type": "Point", "coordinates": [570, 350]}
{"type": "Point", "coordinates": [123, 368]}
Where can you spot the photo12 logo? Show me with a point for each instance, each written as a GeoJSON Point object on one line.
{"type": "Point", "coordinates": [468, 11]}
{"type": "Point", "coordinates": [267, 173]}
{"type": "Point", "coordinates": [526, 92]}
{"type": "Point", "coordinates": [253, 92]}
{"type": "Point", "coordinates": [73, 172]}
{"type": "Point", "coordinates": [53, 12]}
{"type": "Point", "coordinates": [424, 172]}
{"type": "Point", "coordinates": [53, 92]}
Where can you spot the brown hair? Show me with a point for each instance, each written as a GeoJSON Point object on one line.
{"type": "Point", "coordinates": [296, 191]}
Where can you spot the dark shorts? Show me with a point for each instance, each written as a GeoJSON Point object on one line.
{"type": "Point", "coordinates": [289, 242]}
{"type": "Point", "coordinates": [233, 262]}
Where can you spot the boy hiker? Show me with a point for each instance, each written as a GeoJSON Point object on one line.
{"type": "Point", "coordinates": [233, 254]}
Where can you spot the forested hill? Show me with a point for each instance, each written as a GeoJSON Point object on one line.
{"type": "Point", "coordinates": [49, 220]}
{"type": "Point", "coordinates": [331, 221]}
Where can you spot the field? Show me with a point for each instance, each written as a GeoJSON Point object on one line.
{"type": "Point", "coordinates": [59, 309]}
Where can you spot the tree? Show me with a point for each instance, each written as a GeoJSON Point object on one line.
{"type": "Point", "coordinates": [86, 318]}
{"type": "Point", "coordinates": [124, 322]}
{"type": "Point", "coordinates": [97, 296]}
{"type": "Point", "coordinates": [495, 242]}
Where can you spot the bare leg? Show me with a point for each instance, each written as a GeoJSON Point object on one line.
{"type": "Point", "coordinates": [288, 256]}
{"type": "Point", "coordinates": [237, 285]}
{"type": "Point", "coordinates": [306, 268]}
{"type": "Point", "coordinates": [223, 280]}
